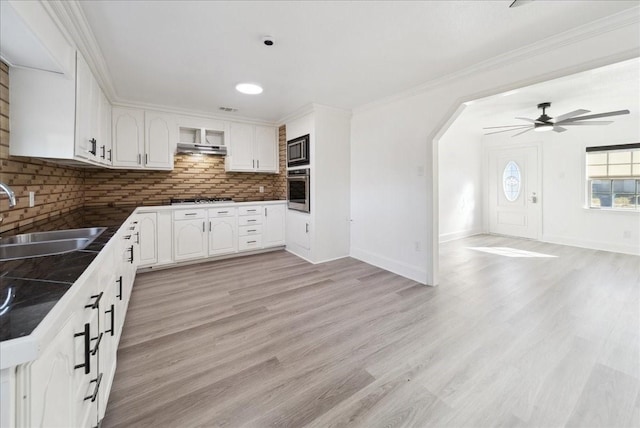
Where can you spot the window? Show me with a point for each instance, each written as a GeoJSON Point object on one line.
{"type": "Point", "coordinates": [511, 181]}
{"type": "Point", "coordinates": [613, 176]}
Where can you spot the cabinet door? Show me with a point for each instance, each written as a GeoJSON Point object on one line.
{"type": "Point", "coordinates": [223, 235]}
{"type": "Point", "coordinates": [148, 238]}
{"type": "Point", "coordinates": [241, 137]}
{"type": "Point", "coordinates": [105, 152]}
{"type": "Point", "coordinates": [109, 312]}
{"type": "Point", "coordinates": [127, 135]}
{"type": "Point", "coordinates": [274, 225]}
{"type": "Point", "coordinates": [266, 148]}
{"type": "Point", "coordinates": [53, 383]}
{"type": "Point", "coordinates": [85, 110]}
{"type": "Point", "coordinates": [189, 239]}
{"type": "Point", "coordinates": [298, 230]}
{"type": "Point", "coordinates": [160, 139]}
{"type": "Point", "coordinates": [165, 237]}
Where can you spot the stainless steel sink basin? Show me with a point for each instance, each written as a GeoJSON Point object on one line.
{"type": "Point", "coordinates": [40, 244]}
{"type": "Point", "coordinates": [38, 249]}
{"type": "Point", "coordinates": [90, 233]}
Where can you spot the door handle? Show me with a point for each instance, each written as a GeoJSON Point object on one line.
{"type": "Point", "coordinates": [533, 198]}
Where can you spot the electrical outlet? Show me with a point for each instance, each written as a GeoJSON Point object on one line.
{"type": "Point", "coordinates": [32, 199]}
{"type": "Point", "coordinates": [261, 189]}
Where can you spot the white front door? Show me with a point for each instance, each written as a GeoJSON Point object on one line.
{"type": "Point", "coordinates": [514, 192]}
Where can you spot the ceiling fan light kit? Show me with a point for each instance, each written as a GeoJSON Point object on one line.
{"type": "Point", "coordinates": [546, 123]}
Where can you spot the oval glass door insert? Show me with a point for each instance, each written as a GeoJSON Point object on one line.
{"type": "Point", "coordinates": [511, 181]}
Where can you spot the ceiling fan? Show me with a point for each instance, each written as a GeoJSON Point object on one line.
{"type": "Point", "coordinates": [547, 123]}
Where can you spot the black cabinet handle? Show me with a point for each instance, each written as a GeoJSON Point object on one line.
{"type": "Point", "coordinates": [209, 226]}
{"type": "Point", "coordinates": [97, 381]}
{"type": "Point", "coordinates": [146, 158]}
{"type": "Point", "coordinates": [252, 230]}
{"type": "Point", "coordinates": [251, 211]}
{"type": "Point", "coordinates": [103, 150]}
{"type": "Point", "coordinates": [95, 304]}
{"type": "Point", "coordinates": [109, 151]}
{"type": "Point", "coordinates": [94, 146]}
{"type": "Point", "coordinates": [94, 351]}
{"type": "Point", "coordinates": [223, 212]}
{"type": "Point", "coordinates": [251, 242]}
{"type": "Point", "coordinates": [265, 211]}
{"type": "Point", "coordinates": [127, 237]}
{"type": "Point", "coordinates": [137, 237]}
{"type": "Point", "coordinates": [191, 214]}
{"type": "Point", "coordinates": [119, 281]}
{"type": "Point", "coordinates": [131, 252]}
{"type": "Point", "coordinates": [87, 349]}
{"type": "Point", "coordinates": [113, 315]}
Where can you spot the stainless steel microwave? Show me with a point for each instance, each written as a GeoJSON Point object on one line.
{"type": "Point", "coordinates": [298, 151]}
{"type": "Point", "coordinates": [298, 194]}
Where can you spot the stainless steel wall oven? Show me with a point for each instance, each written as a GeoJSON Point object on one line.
{"type": "Point", "coordinates": [298, 194]}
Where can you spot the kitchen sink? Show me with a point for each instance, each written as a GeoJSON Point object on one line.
{"type": "Point", "coordinates": [38, 249]}
{"type": "Point", "coordinates": [90, 233]}
{"type": "Point", "coordinates": [40, 244]}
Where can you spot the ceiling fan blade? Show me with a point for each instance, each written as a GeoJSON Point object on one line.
{"type": "Point", "coordinates": [570, 115]}
{"type": "Point", "coordinates": [529, 120]}
{"type": "Point", "coordinates": [526, 130]}
{"type": "Point", "coordinates": [516, 3]}
{"type": "Point", "coordinates": [505, 126]}
{"type": "Point", "coordinates": [508, 130]}
{"type": "Point", "coordinates": [597, 115]}
{"type": "Point", "coordinates": [592, 123]}
{"type": "Point", "coordinates": [558, 129]}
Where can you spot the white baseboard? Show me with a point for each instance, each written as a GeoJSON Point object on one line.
{"type": "Point", "coordinates": [613, 247]}
{"type": "Point", "coordinates": [452, 236]}
{"type": "Point", "coordinates": [397, 267]}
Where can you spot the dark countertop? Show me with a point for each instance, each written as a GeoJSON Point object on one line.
{"type": "Point", "coordinates": [29, 288]}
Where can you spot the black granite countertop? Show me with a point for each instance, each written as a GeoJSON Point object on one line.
{"type": "Point", "coordinates": [29, 288]}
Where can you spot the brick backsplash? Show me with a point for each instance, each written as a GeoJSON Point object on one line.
{"type": "Point", "coordinates": [60, 189]}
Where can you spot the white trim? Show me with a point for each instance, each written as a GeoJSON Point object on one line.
{"type": "Point", "coordinates": [591, 244]}
{"type": "Point", "coordinates": [311, 108]}
{"type": "Point", "coordinates": [453, 236]}
{"type": "Point", "coordinates": [395, 266]}
{"type": "Point", "coordinates": [621, 19]}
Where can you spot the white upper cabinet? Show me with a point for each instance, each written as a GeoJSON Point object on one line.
{"type": "Point", "coordinates": [127, 134]}
{"type": "Point", "coordinates": [266, 148]}
{"type": "Point", "coordinates": [59, 117]}
{"type": "Point", "coordinates": [143, 139]}
{"type": "Point", "coordinates": [252, 148]}
{"type": "Point", "coordinates": [161, 136]}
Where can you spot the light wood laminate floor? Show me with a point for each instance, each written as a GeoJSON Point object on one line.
{"type": "Point", "coordinates": [271, 340]}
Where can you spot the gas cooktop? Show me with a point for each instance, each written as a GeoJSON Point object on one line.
{"type": "Point", "coordinates": [199, 200]}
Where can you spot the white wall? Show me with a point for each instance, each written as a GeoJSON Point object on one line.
{"type": "Point", "coordinates": [460, 183]}
{"type": "Point", "coordinates": [565, 218]}
{"type": "Point", "coordinates": [392, 205]}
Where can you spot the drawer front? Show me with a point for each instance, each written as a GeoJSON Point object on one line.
{"type": "Point", "coordinates": [246, 243]}
{"type": "Point", "coordinates": [189, 214]}
{"type": "Point", "coordinates": [250, 230]}
{"type": "Point", "coordinates": [250, 210]}
{"type": "Point", "coordinates": [222, 212]}
{"type": "Point", "coordinates": [249, 220]}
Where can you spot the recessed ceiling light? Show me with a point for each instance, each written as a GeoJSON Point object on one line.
{"type": "Point", "coordinates": [249, 88]}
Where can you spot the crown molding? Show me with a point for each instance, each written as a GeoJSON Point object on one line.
{"type": "Point", "coordinates": [593, 29]}
{"type": "Point", "coordinates": [311, 108]}
{"type": "Point", "coordinates": [71, 18]}
{"type": "Point", "coordinates": [195, 113]}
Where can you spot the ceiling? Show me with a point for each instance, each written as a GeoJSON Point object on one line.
{"type": "Point", "coordinates": [191, 54]}
{"type": "Point", "coordinates": [610, 88]}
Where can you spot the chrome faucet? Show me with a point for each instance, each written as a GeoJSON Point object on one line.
{"type": "Point", "coordinates": [10, 194]}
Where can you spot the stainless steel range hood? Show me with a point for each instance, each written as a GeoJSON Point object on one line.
{"type": "Point", "coordinates": [203, 149]}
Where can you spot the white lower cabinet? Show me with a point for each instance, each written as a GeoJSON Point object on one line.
{"type": "Point", "coordinates": [148, 238]}
{"type": "Point", "coordinates": [298, 230]}
{"type": "Point", "coordinates": [190, 234]}
{"type": "Point", "coordinates": [274, 225]}
{"type": "Point", "coordinates": [223, 231]}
